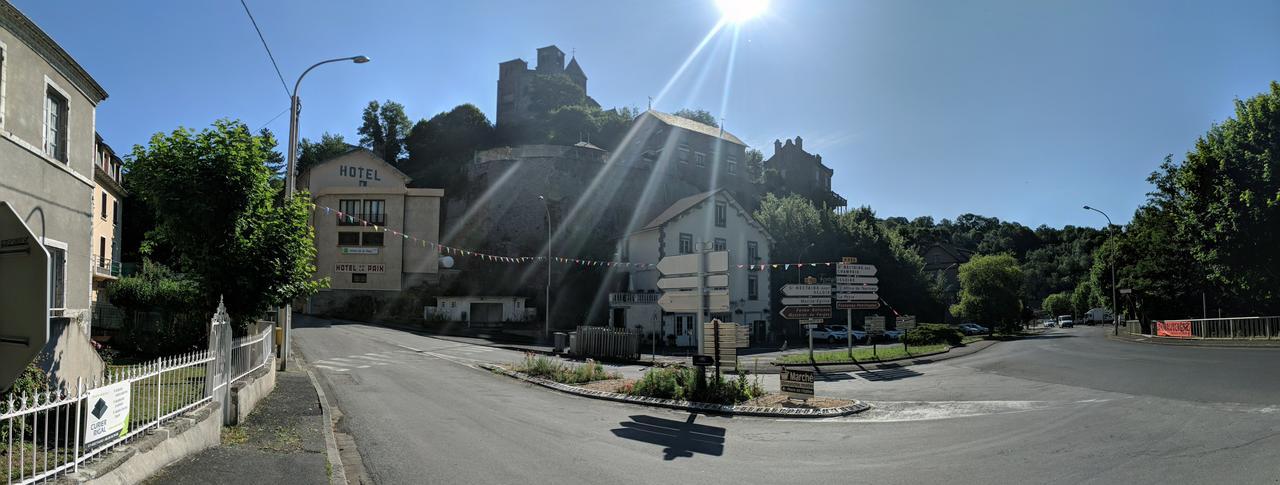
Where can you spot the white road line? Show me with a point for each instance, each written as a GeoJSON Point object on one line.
{"type": "Point", "coordinates": [376, 359]}
{"type": "Point", "coordinates": [335, 369]}
{"type": "Point", "coordinates": [362, 367]}
{"type": "Point", "coordinates": [411, 349]}
{"type": "Point", "coordinates": [343, 360]}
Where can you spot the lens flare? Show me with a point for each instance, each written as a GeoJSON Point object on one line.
{"type": "Point", "coordinates": [738, 11]}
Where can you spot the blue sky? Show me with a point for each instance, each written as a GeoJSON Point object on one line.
{"type": "Point", "coordinates": [1024, 110]}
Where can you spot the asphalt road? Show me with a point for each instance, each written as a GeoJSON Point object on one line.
{"type": "Point", "coordinates": [1069, 407]}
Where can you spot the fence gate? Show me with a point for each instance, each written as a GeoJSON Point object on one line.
{"type": "Point", "coordinates": [218, 383]}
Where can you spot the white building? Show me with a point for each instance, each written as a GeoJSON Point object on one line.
{"type": "Point", "coordinates": [480, 309]}
{"type": "Point", "coordinates": [718, 220]}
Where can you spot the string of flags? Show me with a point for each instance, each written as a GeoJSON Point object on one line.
{"type": "Point", "coordinates": [452, 250]}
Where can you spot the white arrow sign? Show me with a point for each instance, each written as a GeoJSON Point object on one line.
{"type": "Point", "coordinates": [856, 280]}
{"type": "Point", "coordinates": [855, 270]}
{"type": "Point", "coordinates": [687, 301]}
{"type": "Point", "coordinates": [806, 300]}
{"type": "Point", "coordinates": [857, 288]}
{"type": "Point", "coordinates": [806, 290]}
{"type": "Point", "coordinates": [857, 296]}
{"type": "Point", "coordinates": [691, 282]}
{"type": "Point", "coordinates": [684, 264]}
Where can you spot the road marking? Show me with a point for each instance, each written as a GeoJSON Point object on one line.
{"type": "Point", "coordinates": [375, 359]}
{"type": "Point", "coordinates": [362, 367]}
{"type": "Point", "coordinates": [335, 369]}
{"type": "Point", "coordinates": [407, 348]}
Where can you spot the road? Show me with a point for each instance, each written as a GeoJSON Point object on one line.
{"type": "Point", "coordinates": [1068, 407]}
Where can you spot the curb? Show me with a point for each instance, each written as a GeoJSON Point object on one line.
{"type": "Point", "coordinates": [1174, 342]}
{"type": "Point", "coordinates": [732, 410]}
{"type": "Point", "coordinates": [339, 475]}
{"type": "Point", "coordinates": [887, 364]}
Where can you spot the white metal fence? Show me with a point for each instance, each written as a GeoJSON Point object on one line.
{"type": "Point", "coordinates": [1237, 328]}
{"type": "Point", "coordinates": [47, 434]}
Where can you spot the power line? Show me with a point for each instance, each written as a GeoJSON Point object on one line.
{"type": "Point", "coordinates": [273, 118]}
{"type": "Point", "coordinates": [264, 46]}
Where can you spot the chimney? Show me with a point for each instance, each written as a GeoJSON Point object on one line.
{"type": "Point", "coordinates": [777, 146]}
{"type": "Point", "coordinates": [799, 143]}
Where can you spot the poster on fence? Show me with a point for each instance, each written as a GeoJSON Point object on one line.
{"type": "Point", "coordinates": [1174, 328]}
{"type": "Point", "coordinates": [107, 413]}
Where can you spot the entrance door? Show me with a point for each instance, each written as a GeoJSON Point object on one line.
{"type": "Point", "coordinates": [486, 312]}
{"type": "Point", "coordinates": [685, 333]}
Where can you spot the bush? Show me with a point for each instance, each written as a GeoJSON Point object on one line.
{"type": "Point", "coordinates": [681, 383]}
{"type": "Point", "coordinates": [553, 369]}
{"type": "Point", "coordinates": [154, 288]}
{"type": "Point", "coordinates": [933, 333]}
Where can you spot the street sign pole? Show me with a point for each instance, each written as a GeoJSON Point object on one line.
{"type": "Point", "coordinates": [848, 330]}
{"type": "Point", "coordinates": [809, 327]}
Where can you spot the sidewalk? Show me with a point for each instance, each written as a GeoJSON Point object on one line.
{"type": "Point", "coordinates": [1150, 339]}
{"type": "Point", "coordinates": [281, 442]}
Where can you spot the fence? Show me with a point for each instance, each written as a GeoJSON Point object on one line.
{"type": "Point", "coordinates": [605, 343]}
{"type": "Point", "coordinates": [1133, 327]}
{"type": "Point", "coordinates": [49, 433]}
{"type": "Point", "coordinates": [1236, 328]}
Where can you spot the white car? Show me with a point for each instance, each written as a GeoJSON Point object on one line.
{"type": "Point", "coordinates": [836, 333]}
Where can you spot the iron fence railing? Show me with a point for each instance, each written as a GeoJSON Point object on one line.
{"type": "Point", "coordinates": [1236, 328]}
{"type": "Point", "coordinates": [46, 434]}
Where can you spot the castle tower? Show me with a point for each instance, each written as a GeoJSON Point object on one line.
{"type": "Point", "coordinates": [550, 60]}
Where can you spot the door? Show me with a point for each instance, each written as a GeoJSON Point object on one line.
{"type": "Point", "coordinates": [685, 334]}
{"type": "Point", "coordinates": [486, 312]}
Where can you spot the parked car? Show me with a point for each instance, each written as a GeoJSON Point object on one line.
{"type": "Point", "coordinates": [836, 333]}
{"type": "Point", "coordinates": [1066, 321]}
{"type": "Point", "coordinates": [1097, 315]}
{"type": "Point", "coordinates": [973, 329]}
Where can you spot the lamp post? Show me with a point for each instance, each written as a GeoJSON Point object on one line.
{"type": "Point", "coordinates": [295, 107]}
{"type": "Point", "coordinates": [546, 323]}
{"type": "Point", "coordinates": [1115, 315]}
{"type": "Point", "coordinates": [800, 264]}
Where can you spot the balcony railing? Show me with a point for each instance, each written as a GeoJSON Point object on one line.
{"type": "Point", "coordinates": [633, 298]}
{"type": "Point", "coordinates": [104, 267]}
{"type": "Point", "coordinates": [355, 219]}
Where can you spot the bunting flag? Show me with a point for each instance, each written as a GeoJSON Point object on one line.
{"type": "Point", "coordinates": [444, 249]}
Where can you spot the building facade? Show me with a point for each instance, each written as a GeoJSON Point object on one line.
{"type": "Point", "coordinates": [47, 157]}
{"type": "Point", "coordinates": [108, 197]}
{"type": "Point", "coordinates": [480, 309]}
{"type": "Point", "coordinates": [361, 243]}
{"type": "Point", "coordinates": [517, 91]}
{"type": "Point", "coordinates": [802, 173]}
{"type": "Point", "coordinates": [714, 218]}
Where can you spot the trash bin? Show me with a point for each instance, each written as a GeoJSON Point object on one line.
{"type": "Point", "coordinates": [573, 340]}
{"type": "Point", "coordinates": [561, 341]}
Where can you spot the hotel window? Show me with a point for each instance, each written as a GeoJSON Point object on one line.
{"type": "Point", "coordinates": [686, 243]}
{"type": "Point", "coordinates": [55, 125]}
{"type": "Point", "coordinates": [375, 212]}
{"type": "Point", "coordinates": [753, 286]}
{"type": "Point", "coordinates": [684, 153]}
{"type": "Point", "coordinates": [700, 159]}
{"type": "Point", "coordinates": [721, 244]}
{"type": "Point", "coordinates": [721, 214]}
{"type": "Point", "coordinates": [350, 209]}
{"type": "Point", "coordinates": [359, 277]}
{"type": "Point", "coordinates": [371, 238]}
{"type": "Point", "coordinates": [348, 239]}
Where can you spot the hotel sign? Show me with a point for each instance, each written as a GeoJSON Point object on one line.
{"type": "Point", "coordinates": [359, 250]}
{"type": "Point", "coordinates": [360, 268]}
{"type": "Point", "coordinates": [359, 173]}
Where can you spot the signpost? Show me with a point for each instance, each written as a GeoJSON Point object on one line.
{"type": "Point", "coordinates": [24, 295]}
{"type": "Point", "coordinates": [856, 287]}
{"type": "Point", "coordinates": [797, 383]}
{"type": "Point", "coordinates": [697, 282]}
{"type": "Point", "coordinates": [875, 328]}
{"type": "Point", "coordinates": [805, 312]}
{"type": "Point", "coordinates": [723, 341]}
{"type": "Point", "coordinates": [905, 323]}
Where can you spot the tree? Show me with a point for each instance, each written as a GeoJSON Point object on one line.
{"type": "Point", "coordinates": [794, 223]}
{"type": "Point", "coordinates": [700, 115]}
{"type": "Point", "coordinates": [312, 153]}
{"type": "Point", "coordinates": [216, 214]}
{"type": "Point", "coordinates": [383, 129]}
{"type": "Point", "coordinates": [1085, 297]}
{"type": "Point", "coordinates": [991, 292]}
{"type": "Point", "coordinates": [440, 147]}
{"type": "Point", "coordinates": [755, 165]}
{"type": "Point", "coordinates": [1057, 304]}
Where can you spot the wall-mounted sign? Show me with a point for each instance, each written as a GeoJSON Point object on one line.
{"type": "Point", "coordinates": [359, 173]}
{"type": "Point", "coordinates": [1174, 328]}
{"type": "Point", "coordinates": [107, 413]}
{"type": "Point", "coordinates": [359, 250]}
{"type": "Point", "coordinates": [360, 268]}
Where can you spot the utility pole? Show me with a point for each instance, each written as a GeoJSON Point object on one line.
{"type": "Point", "coordinates": [1115, 314]}
{"type": "Point", "coordinates": [546, 320]}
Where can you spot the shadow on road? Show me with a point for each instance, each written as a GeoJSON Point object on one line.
{"type": "Point", "coordinates": [680, 439]}
{"type": "Point", "coordinates": [834, 376]}
{"type": "Point", "coordinates": [888, 374]}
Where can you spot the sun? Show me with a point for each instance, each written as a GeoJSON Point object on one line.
{"type": "Point", "coordinates": [738, 11]}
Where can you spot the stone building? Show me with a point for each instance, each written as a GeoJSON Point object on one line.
{"type": "Point", "coordinates": [363, 250]}
{"type": "Point", "coordinates": [802, 173]}
{"type": "Point", "coordinates": [516, 89]}
{"type": "Point", "coordinates": [47, 148]}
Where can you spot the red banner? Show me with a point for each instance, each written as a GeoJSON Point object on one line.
{"type": "Point", "coordinates": [1174, 328]}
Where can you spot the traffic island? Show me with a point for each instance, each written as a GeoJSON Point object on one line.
{"type": "Point", "coordinates": [768, 405]}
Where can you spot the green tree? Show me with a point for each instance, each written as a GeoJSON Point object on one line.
{"type": "Point", "coordinates": [991, 292]}
{"type": "Point", "coordinates": [1085, 297]}
{"type": "Point", "coordinates": [700, 115]}
{"type": "Point", "coordinates": [1057, 304]}
{"type": "Point", "coordinates": [439, 148]}
{"type": "Point", "coordinates": [755, 165]}
{"type": "Point", "coordinates": [794, 223]}
{"type": "Point", "coordinates": [383, 129]}
{"type": "Point", "coordinates": [311, 153]}
{"type": "Point", "coordinates": [216, 214]}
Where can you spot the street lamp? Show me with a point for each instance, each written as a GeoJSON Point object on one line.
{"type": "Point", "coordinates": [546, 321]}
{"type": "Point", "coordinates": [295, 106]}
{"type": "Point", "coordinates": [800, 264]}
{"type": "Point", "coordinates": [1115, 317]}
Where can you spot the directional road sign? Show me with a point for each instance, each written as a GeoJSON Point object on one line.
{"type": "Point", "coordinates": [687, 301]}
{"type": "Point", "coordinates": [856, 280]}
{"type": "Point", "coordinates": [24, 295]}
{"type": "Point", "coordinates": [857, 296]}
{"type": "Point", "coordinates": [857, 305]}
{"type": "Point", "coordinates": [905, 322]}
{"type": "Point", "coordinates": [805, 312]}
{"type": "Point", "coordinates": [855, 270]}
{"type": "Point", "coordinates": [806, 290]}
{"type": "Point", "coordinates": [687, 264]}
{"type": "Point", "coordinates": [874, 325]}
{"type": "Point", "coordinates": [691, 282]}
{"type": "Point", "coordinates": [807, 300]}
{"type": "Point", "coordinates": [857, 288]}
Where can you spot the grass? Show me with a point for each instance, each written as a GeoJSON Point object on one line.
{"type": "Point", "coordinates": [174, 389]}
{"type": "Point", "coordinates": [864, 354]}
{"type": "Point", "coordinates": [234, 435]}
{"type": "Point", "coordinates": [553, 369]}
